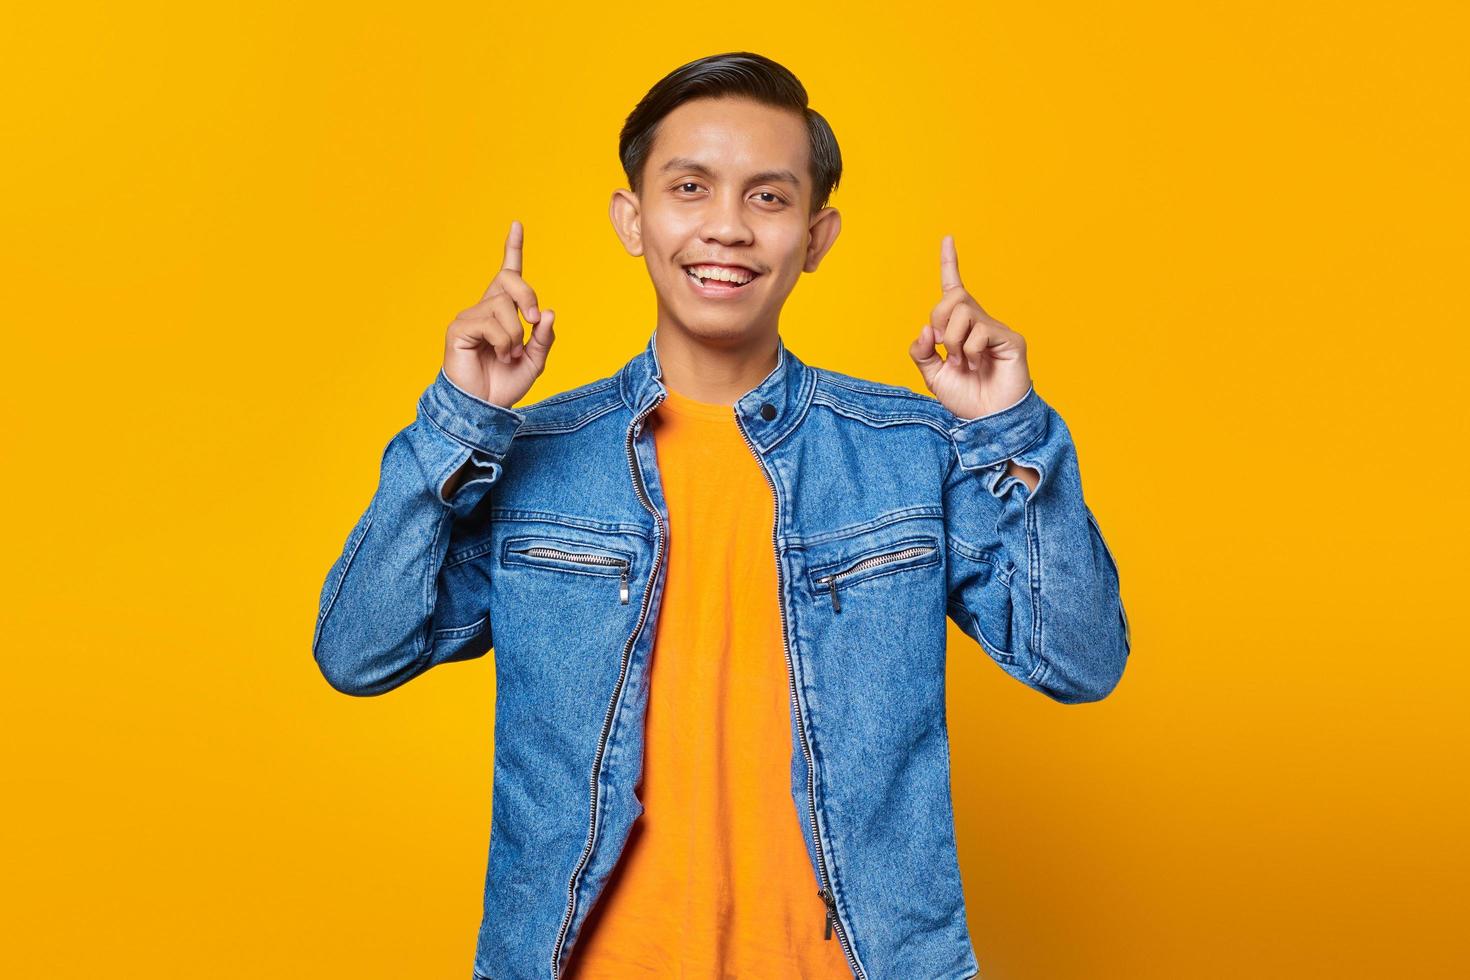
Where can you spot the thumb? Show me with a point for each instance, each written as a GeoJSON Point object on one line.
{"type": "Point", "coordinates": [925, 356]}
{"type": "Point", "coordinates": [541, 337]}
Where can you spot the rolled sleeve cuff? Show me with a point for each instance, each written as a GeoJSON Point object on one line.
{"type": "Point", "coordinates": [988, 440]}
{"type": "Point", "coordinates": [468, 495]}
{"type": "Point", "coordinates": [472, 421]}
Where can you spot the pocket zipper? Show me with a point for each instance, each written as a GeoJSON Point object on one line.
{"type": "Point", "coordinates": [830, 581]}
{"type": "Point", "coordinates": [584, 559]}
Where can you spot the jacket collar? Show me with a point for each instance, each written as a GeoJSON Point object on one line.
{"type": "Point", "coordinates": [768, 411]}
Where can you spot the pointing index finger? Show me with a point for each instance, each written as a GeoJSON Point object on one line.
{"type": "Point", "coordinates": [949, 265]}
{"type": "Point", "coordinates": [513, 242]}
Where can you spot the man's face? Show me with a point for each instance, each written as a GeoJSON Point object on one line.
{"type": "Point", "coordinates": [727, 182]}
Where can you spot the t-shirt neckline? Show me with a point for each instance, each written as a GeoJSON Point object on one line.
{"type": "Point", "coordinates": [686, 407]}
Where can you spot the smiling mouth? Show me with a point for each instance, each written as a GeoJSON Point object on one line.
{"type": "Point", "coordinates": [712, 281]}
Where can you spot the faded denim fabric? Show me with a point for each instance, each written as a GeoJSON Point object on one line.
{"type": "Point", "coordinates": [891, 514]}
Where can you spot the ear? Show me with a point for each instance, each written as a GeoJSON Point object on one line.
{"type": "Point", "coordinates": [624, 212]}
{"type": "Point", "coordinates": [822, 233]}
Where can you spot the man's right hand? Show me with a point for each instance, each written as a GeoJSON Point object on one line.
{"type": "Point", "coordinates": [483, 351]}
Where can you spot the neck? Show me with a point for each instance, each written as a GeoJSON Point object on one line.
{"type": "Point", "coordinates": [715, 370]}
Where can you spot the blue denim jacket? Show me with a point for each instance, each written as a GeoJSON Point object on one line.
{"type": "Point", "coordinates": [891, 514]}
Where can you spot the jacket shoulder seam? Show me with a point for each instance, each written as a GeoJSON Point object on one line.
{"type": "Point", "coordinates": [837, 379]}
{"type": "Point", "coordinates": [562, 413]}
{"type": "Point", "coordinates": [862, 413]}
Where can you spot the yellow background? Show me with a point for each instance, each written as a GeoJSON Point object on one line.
{"type": "Point", "coordinates": [1233, 234]}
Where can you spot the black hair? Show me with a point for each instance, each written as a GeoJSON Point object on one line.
{"type": "Point", "coordinates": [735, 73]}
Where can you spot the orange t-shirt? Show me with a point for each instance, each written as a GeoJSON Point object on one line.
{"type": "Point", "coordinates": [714, 880]}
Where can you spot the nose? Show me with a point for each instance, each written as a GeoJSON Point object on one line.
{"type": "Point", "coordinates": [725, 220]}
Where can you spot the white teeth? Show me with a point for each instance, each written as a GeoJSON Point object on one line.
{"type": "Point", "coordinates": [720, 272]}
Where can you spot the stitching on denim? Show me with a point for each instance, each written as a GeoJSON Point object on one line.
{"type": "Point", "coordinates": [995, 650]}
{"type": "Point", "coordinates": [339, 568]}
{"type": "Point", "coordinates": [1033, 548]}
{"type": "Point", "coordinates": [1112, 560]}
{"type": "Point", "coordinates": [572, 394]}
{"type": "Point", "coordinates": [804, 401]}
{"type": "Point", "coordinates": [1117, 576]}
{"type": "Point", "coordinates": [1042, 425]}
{"type": "Point", "coordinates": [507, 557]}
{"type": "Point", "coordinates": [337, 588]}
{"type": "Point", "coordinates": [556, 427]}
{"type": "Point", "coordinates": [839, 380]}
{"type": "Point", "coordinates": [848, 411]}
{"type": "Point", "coordinates": [970, 551]}
{"type": "Point", "coordinates": [830, 845]}
{"type": "Point", "coordinates": [459, 632]}
{"type": "Point", "coordinates": [871, 548]}
{"type": "Point", "coordinates": [804, 398]}
{"type": "Point", "coordinates": [438, 393]}
{"type": "Point", "coordinates": [467, 554]}
{"type": "Point", "coordinates": [463, 442]}
{"type": "Point", "coordinates": [923, 560]}
{"type": "Point", "coordinates": [1004, 652]}
{"type": "Point", "coordinates": [499, 514]}
{"type": "Point", "coordinates": [424, 640]}
{"type": "Point", "coordinates": [913, 512]}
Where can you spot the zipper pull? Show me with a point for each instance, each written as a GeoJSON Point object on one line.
{"type": "Point", "coordinates": [831, 911]}
{"type": "Point", "coordinates": [623, 586]}
{"type": "Point", "coordinates": [832, 586]}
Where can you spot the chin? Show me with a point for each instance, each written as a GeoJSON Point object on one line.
{"type": "Point", "coordinates": [717, 327]}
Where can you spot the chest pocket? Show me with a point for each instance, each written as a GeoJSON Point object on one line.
{"type": "Point", "coordinates": [834, 569]}
{"type": "Point", "coordinates": [563, 556]}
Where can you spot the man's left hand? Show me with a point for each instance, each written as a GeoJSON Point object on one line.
{"type": "Point", "coordinates": [984, 367]}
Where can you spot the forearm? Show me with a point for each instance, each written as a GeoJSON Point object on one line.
{"type": "Point", "coordinates": [1030, 568]}
{"type": "Point", "coordinates": [388, 597]}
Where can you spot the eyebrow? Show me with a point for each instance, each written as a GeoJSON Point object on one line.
{"type": "Point", "coordinates": [687, 163]}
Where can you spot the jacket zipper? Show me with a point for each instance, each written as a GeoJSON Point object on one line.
{"type": "Point", "coordinates": [825, 892]}
{"type": "Point", "coordinates": [831, 580]}
{"type": "Point", "coordinates": [584, 559]}
{"type": "Point", "coordinates": [566, 921]}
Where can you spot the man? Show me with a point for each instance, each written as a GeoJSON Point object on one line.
{"type": "Point", "coordinates": [717, 581]}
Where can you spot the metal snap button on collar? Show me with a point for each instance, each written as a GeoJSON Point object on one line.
{"type": "Point", "coordinates": [768, 411]}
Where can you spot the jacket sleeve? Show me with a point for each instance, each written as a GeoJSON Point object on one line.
{"type": "Point", "coordinates": [391, 607]}
{"type": "Point", "coordinates": [1030, 577]}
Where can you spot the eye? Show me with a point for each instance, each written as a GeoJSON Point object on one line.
{"type": "Point", "coordinates": [691, 186]}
